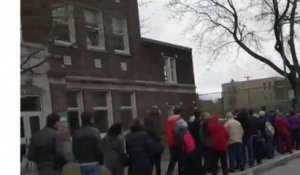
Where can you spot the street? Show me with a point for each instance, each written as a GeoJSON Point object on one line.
{"type": "Point", "coordinates": [289, 168]}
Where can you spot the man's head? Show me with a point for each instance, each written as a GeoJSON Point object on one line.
{"type": "Point", "coordinates": [86, 118]}
{"type": "Point", "coordinates": [262, 113]}
{"type": "Point", "coordinates": [230, 115]}
{"type": "Point", "coordinates": [53, 121]}
{"type": "Point", "coordinates": [206, 116]}
{"type": "Point", "coordinates": [197, 114]}
{"type": "Point", "coordinates": [177, 110]}
{"type": "Point", "coordinates": [251, 112]}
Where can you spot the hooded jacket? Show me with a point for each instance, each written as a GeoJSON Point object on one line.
{"type": "Point", "coordinates": [282, 126]}
{"type": "Point", "coordinates": [171, 122]}
{"type": "Point", "coordinates": [218, 134]}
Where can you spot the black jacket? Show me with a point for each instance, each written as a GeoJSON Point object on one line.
{"type": "Point", "coordinates": [87, 145]}
{"type": "Point", "coordinates": [46, 149]}
{"type": "Point", "coordinates": [138, 149]}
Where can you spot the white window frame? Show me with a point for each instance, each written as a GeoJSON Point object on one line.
{"type": "Point", "coordinates": [133, 106]}
{"type": "Point", "coordinates": [79, 101]}
{"type": "Point", "coordinates": [169, 73]}
{"type": "Point", "coordinates": [125, 37]}
{"type": "Point", "coordinates": [70, 23]}
{"type": "Point", "coordinates": [108, 108]}
{"type": "Point", "coordinates": [100, 28]}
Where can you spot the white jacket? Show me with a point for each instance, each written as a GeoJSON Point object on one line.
{"type": "Point", "coordinates": [235, 130]}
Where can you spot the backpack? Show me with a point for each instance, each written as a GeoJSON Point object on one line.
{"type": "Point", "coordinates": [189, 143]}
{"type": "Point", "coordinates": [269, 129]}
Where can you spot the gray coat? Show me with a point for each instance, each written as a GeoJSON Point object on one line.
{"type": "Point", "coordinates": [113, 149]}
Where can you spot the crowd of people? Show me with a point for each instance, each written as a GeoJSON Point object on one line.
{"type": "Point", "coordinates": [197, 145]}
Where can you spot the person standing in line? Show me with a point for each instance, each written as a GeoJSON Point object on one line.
{"type": "Point", "coordinates": [152, 129]}
{"type": "Point", "coordinates": [174, 147]}
{"type": "Point", "coordinates": [268, 132]}
{"type": "Point", "coordinates": [206, 142]}
{"type": "Point", "coordinates": [87, 147]}
{"type": "Point", "coordinates": [46, 148]}
{"type": "Point", "coordinates": [138, 150]}
{"type": "Point", "coordinates": [294, 124]}
{"type": "Point", "coordinates": [283, 134]}
{"type": "Point", "coordinates": [189, 155]}
{"type": "Point", "coordinates": [236, 133]}
{"type": "Point", "coordinates": [247, 156]}
{"type": "Point", "coordinates": [196, 130]}
{"type": "Point", "coordinates": [113, 149]}
{"type": "Point", "coordinates": [219, 144]}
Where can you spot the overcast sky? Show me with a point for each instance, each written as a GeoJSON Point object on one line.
{"type": "Point", "coordinates": [161, 26]}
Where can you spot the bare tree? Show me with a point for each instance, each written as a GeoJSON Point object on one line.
{"type": "Point", "coordinates": [144, 19]}
{"type": "Point", "coordinates": [248, 26]}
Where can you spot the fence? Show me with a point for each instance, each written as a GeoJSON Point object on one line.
{"type": "Point", "coordinates": [232, 97]}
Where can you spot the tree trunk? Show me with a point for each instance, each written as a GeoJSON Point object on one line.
{"type": "Point", "coordinates": [295, 85]}
{"type": "Point", "coordinates": [296, 101]}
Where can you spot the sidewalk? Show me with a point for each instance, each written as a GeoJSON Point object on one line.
{"type": "Point", "coordinates": [73, 168]}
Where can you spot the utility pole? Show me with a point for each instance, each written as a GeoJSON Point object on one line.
{"type": "Point", "coordinates": [248, 90]}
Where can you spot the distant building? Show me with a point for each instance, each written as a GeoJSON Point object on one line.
{"type": "Point", "coordinates": [253, 93]}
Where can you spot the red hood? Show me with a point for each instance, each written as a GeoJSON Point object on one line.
{"type": "Point", "coordinates": [214, 120]}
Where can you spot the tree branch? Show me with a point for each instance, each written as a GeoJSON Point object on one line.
{"type": "Point", "coordinates": [292, 35]}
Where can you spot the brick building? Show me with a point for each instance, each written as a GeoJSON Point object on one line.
{"type": "Point", "coordinates": [99, 62]}
{"type": "Point", "coordinates": [253, 93]}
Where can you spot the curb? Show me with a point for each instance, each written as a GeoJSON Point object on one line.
{"type": "Point", "coordinates": [271, 164]}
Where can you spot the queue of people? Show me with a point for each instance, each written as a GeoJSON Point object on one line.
{"type": "Point", "coordinates": [197, 146]}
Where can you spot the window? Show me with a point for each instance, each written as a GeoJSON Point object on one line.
{"type": "Point", "coordinates": [265, 87]}
{"type": "Point", "coordinates": [127, 108]}
{"type": "Point", "coordinates": [120, 33]}
{"type": "Point", "coordinates": [102, 111]}
{"type": "Point", "coordinates": [170, 70]}
{"type": "Point", "coordinates": [30, 103]}
{"type": "Point", "coordinates": [123, 66]}
{"type": "Point", "coordinates": [94, 29]}
{"type": "Point", "coordinates": [73, 99]}
{"type": "Point", "coordinates": [64, 28]}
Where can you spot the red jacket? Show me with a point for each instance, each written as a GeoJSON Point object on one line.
{"type": "Point", "coordinates": [218, 134]}
{"type": "Point", "coordinates": [282, 126]}
{"type": "Point", "coordinates": [169, 129]}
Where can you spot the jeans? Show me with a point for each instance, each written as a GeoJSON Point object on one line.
{"type": "Point", "coordinates": [175, 156]}
{"type": "Point", "coordinates": [216, 156]}
{"type": "Point", "coordinates": [90, 169]}
{"type": "Point", "coordinates": [235, 156]}
{"type": "Point", "coordinates": [270, 146]}
{"type": "Point", "coordinates": [247, 154]}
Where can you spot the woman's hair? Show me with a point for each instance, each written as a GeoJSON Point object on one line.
{"type": "Point", "coordinates": [115, 130]}
{"type": "Point", "coordinates": [86, 118]}
{"type": "Point", "coordinates": [52, 119]}
{"type": "Point", "coordinates": [136, 126]}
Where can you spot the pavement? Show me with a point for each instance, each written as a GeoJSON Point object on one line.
{"type": "Point", "coordinates": [288, 164]}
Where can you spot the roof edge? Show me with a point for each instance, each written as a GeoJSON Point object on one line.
{"type": "Point", "coordinates": [165, 44]}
